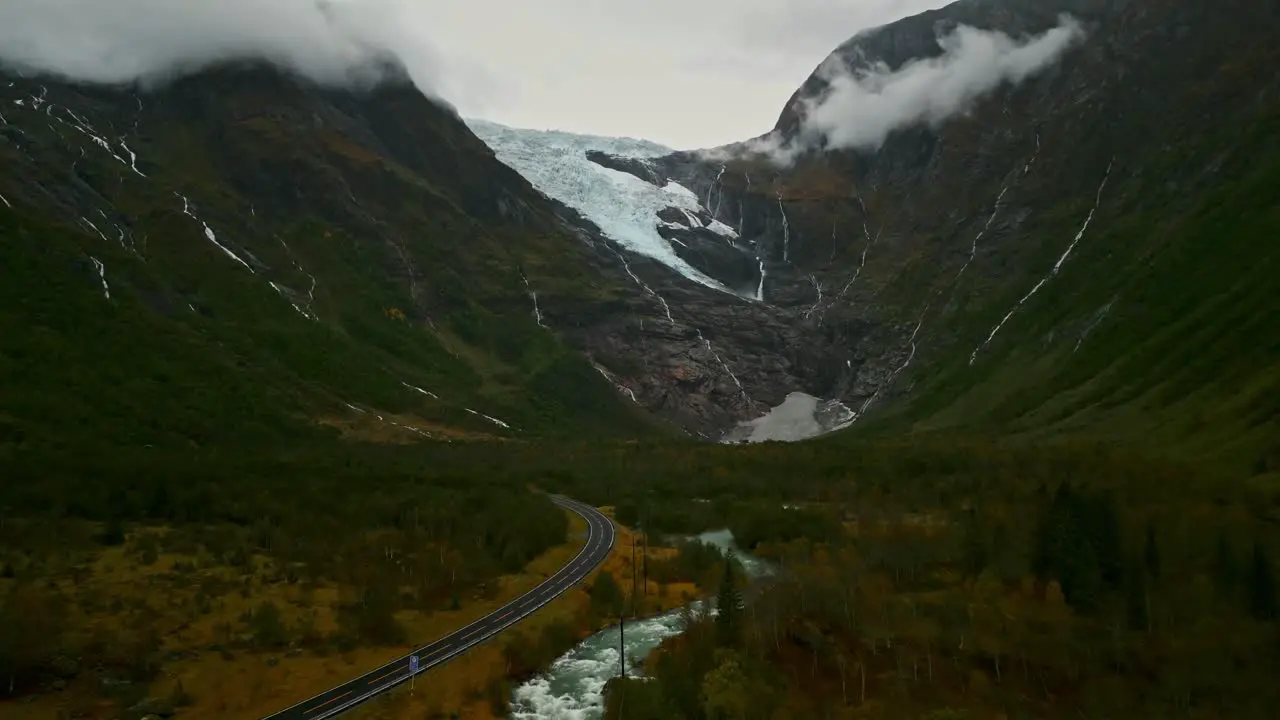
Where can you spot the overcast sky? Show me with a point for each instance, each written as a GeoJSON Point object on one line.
{"type": "Point", "coordinates": [686, 73]}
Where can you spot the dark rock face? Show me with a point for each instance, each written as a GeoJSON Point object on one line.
{"type": "Point", "coordinates": [881, 258]}
{"type": "Point", "coordinates": [714, 253]}
{"type": "Point", "coordinates": [878, 267]}
{"type": "Point", "coordinates": [916, 37]}
{"type": "Point", "coordinates": [638, 167]}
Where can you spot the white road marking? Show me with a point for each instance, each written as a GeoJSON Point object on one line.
{"type": "Point", "coordinates": [552, 587]}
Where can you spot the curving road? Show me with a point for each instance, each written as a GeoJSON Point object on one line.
{"type": "Point", "coordinates": [331, 703]}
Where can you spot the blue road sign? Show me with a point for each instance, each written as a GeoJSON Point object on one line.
{"type": "Point", "coordinates": [413, 663]}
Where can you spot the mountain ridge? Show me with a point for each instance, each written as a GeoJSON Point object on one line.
{"type": "Point", "coordinates": [865, 278]}
{"type": "Point", "coordinates": [965, 219]}
{"type": "Point", "coordinates": [271, 229]}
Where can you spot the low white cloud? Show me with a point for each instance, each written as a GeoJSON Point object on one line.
{"type": "Point", "coordinates": [685, 73]}
{"type": "Point", "coordinates": [126, 41]}
{"type": "Point", "coordinates": [862, 106]}
{"type": "Point", "coordinates": [689, 74]}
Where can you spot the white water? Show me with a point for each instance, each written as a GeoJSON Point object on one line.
{"type": "Point", "coordinates": [133, 159]}
{"type": "Point", "coordinates": [723, 366]}
{"type": "Point", "coordinates": [493, 420]}
{"type": "Point", "coordinates": [1098, 317]}
{"type": "Point", "coordinates": [715, 210]}
{"type": "Point", "coordinates": [420, 390]}
{"type": "Point", "coordinates": [862, 261]}
{"type": "Point", "coordinates": [786, 229]}
{"type": "Point", "coordinates": [102, 275]}
{"type": "Point", "coordinates": [208, 233]}
{"type": "Point", "coordinates": [84, 128]}
{"type": "Point", "coordinates": [573, 687]}
{"type": "Point", "coordinates": [311, 291]}
{"type": "Point", "coordinates": [613, 380]}
{"type": "Point", "coordinates": [724, 541]}
{"type": "Point", "coordinates": [81, 126]}
{"type": "Point", "coordinates": [623, 206]}
{"type": "Point", "coordinates": [1026, 169]}
{"type": "Point", "coordinates": [537, 312]}
{"type": "Point", "coordinates": [973, 249]}
{"type": "Point", "coordinates": [88, 222]}
{"type": "Point", "coordinates": [911, 356]}
{"type": "Point", "coordinates": [816, 303]}
{"type": "Point", "coordinates": [1057, 267]}
{"type": "Point", "coordinates": [666, 309]}
{"type": "Point", "coordinates": [280, 290]}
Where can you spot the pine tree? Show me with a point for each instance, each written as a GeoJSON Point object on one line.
{"type": "Point", "coordinates": [975, 547]}
{"type": "Point", "coordinates": [1262, 586]}
{"type": "Point", "coordinates": [267, 627]}
{"type": "Point", "coordinates": [112, 532]}
{"type": "Point", "coordinates": [1136, 600]}
{"type": "Point", "coordinates": [1104, 533]}
{"type": "Point", "coordinates": [1151, 553]}
{"type": "Point", "coordinates": [728, 605]}
{"type": "Point", "coordinates": [1225, 573]}
{"type": "Point", "coordinates": [1066, 552]}
{"type": "Point", "coordinates": [606, 595]}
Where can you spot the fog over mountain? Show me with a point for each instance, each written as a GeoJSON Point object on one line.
{"type": "Point", "coordinates": [863, 104]}
{"type": "Point", "coordinates": [347, 42]}
{"type": "Point", "coordinates": [728, 63]}
{"type": "Point", "coordinates": [127, 41]}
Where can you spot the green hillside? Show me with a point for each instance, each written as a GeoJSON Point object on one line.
{"type": "Point", "coordinates": [408, 299]}
{"type": "Point", "coordinates": [1160, 331]}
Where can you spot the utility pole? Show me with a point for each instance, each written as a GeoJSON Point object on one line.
{"type": "Point", "coordinates": [622, 661]}
{"type": "Point", "coordinates": [648, 516]}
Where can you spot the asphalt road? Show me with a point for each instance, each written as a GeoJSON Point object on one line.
{"type": "Point", "coordinates": [331, 703]}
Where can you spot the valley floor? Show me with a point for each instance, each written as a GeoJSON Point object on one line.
{"type": "Point", "coordinates": [201, 612]}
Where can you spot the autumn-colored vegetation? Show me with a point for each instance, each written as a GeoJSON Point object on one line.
{"type": "Point", "coordinates": [1029, 585]}
{"type": "Point", "coordinates": [113, 576]}
{"type": "Point", "coordinates": [1038, 581]}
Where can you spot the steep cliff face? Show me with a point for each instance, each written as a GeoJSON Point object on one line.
{"type": "Point", "coordinates": [354, 259]}
{"type": "Point", "coordinates": [1063, 255]}
{"type": "Point", "coordinates": [962, 273]}
{"type": "Point", "coordinates": [695, 343]}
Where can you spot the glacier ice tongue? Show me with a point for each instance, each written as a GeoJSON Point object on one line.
{"type": "Point", "coordinates": [674, 188]}
{"type": "Point", "coordinates": [622, 205]}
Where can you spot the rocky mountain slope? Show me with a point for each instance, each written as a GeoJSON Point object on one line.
{"type": "Point", "coordinates": [1085, 250]}
{"type": "Point", "coordinates": [706, 349]}
{"type": "Point", "coordinates": [243, 244]}
{"type": "Point", "coordinates": [1090, 249]}
{"type": "Point", "coordinates": [241, 255]}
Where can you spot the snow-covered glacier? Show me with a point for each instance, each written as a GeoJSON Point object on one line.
{"type": "Point", "coordinates": [623, 206]}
